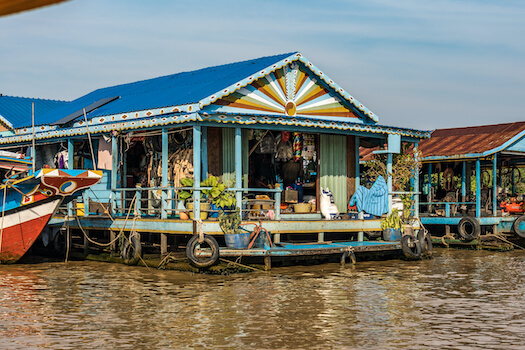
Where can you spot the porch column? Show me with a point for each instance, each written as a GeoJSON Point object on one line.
{"type": "Point", "coordinates": [164, 166]}
{"type": "Point", "coordinates": [494, 185]}
{"type": "Point", "coordinates": [478, 188]}
{"type": "Point", "coordinates": [204, 153]}
{"type": "Point", "coordinates": [196, 171]}
{"type": "Point", "coordinates": [238, 166]}
{"type": "Point", "coordinates": [389, 180]}
{"type": "Point", "coordinates": [114, 161]}
{"type": "Point", "coordinates": [416, 182]}
{"type": "Point", "coordinates": [70, 154]}
{"type": "Point", "coordinates": [357, 169]}
{"type": "Point", "coordinates": [70, 165]}
{"type": "Point", "coordinates": [464, 182]}
{"type": "Point", "coordinates": [360, 234]}
{"type": "Point", "coordinates": [114, 170]}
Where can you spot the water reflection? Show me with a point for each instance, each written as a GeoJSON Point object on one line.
{"type": "Point", "coordinates": [458, 300]}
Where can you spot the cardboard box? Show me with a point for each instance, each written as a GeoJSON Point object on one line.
{"type": "Point", "coordinates": [290, 196]}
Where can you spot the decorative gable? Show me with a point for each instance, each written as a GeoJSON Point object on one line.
{"type": "Point", "coordinates": [291, 90]}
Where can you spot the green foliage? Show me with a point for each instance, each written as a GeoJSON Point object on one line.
{"type": "Point", "coordinates": [392, 221]}
{"type": "Point", "coordinates": [218, 194]}
{"type": "Point", "coordinates": [405, 166]}
{"type": "Point", "coordinates": [229, 223]}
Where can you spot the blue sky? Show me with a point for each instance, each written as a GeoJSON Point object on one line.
{"type": "Point", "coordinates": [417, 64]}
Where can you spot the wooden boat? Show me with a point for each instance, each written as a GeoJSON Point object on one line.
{"type": "Point", "coordinates": [28, 201]}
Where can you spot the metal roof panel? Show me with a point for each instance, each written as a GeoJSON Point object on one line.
{"type": "Point", "coordinates": [170, 90]}
{"type": "Point", "coordinates": [17, 111]}
{"type": "Point", "coordinates": [477, 140]}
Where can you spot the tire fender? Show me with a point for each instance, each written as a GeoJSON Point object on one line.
{"type": "Point", "coordinates": [425, 241]}
{"type": "Point", "coordinates": [463, 228]}
{"type": "Point", "coordinates": [410, 252]}
{"type": "Point", "coordinates": [131, 250]}
{"type": "Point", "coordinates": [516, 226]}
{"type": "Point", "coordinates": [202, 261]}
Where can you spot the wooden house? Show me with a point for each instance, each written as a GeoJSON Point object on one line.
{"type": "Point", "coordinates": [277, 129]}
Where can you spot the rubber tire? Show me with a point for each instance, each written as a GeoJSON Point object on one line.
{"type": "Point", "coordinates": [60, 242]}
{"type": "Point", "coordinates": [412, 253]}
{"type": "Point", "coordinates": [462, 228]}
{"type": "Point", "coordinates": [425, 241]}
{"type": "Point", "coordinates": [516, 226]}
{"type": "Point", "coordinates": [348, 256]}
{"type": "Point", "coordinates": [199, 262]}
{"type": "Point", "coordinates": [131, 253]}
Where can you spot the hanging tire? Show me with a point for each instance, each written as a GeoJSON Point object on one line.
{"type": "Point", "coordinates": [411, 247]}
{"type": "Point", "coordinates": [60, 242]}
{"type": "Point", "coordinates": [425, 241]}
{"type": "Point", "coordinates": [350, 256]}
{"type": "Point", "coordinates": [516, 226]}
{"type": "Point", "coordinates": [194, 244]}
{"type": "Point", "coordinates": [131, 250]}
{"type": "Point", "coordinates": [469, 228]}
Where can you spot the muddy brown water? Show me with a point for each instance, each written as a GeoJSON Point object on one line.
{"type": "Point", "coordinates": [458, 300]}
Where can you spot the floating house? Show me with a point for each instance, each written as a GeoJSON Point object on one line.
{"type": "Point", "coordinates": [277, 130]}
{"type": "Point", "coordinates": [472, 180]}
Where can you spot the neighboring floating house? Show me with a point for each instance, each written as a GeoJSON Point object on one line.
{"type": "Point", "coordinates": [277, 129]}
{"type": "Point", "coordinates": [473, 180]}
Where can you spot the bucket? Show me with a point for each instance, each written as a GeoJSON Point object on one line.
{"type": "Point", "coordinates": [392, 234]}
{"type": "Point", "coordinates": [237, 240]}
{"type": "Point", "coordinates": [80, 209]}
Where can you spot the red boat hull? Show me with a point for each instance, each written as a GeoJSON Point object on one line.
{"type": "Point", "coordinates": [22, 227]}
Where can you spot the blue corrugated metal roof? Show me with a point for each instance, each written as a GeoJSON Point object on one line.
{"type": "Point", "coordinates": [17, 111]}
{"type": "Point", "coordinates": [170, 90]}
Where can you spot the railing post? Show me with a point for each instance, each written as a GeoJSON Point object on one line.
{"type": "Point", "coordinates": [138, 201]}
{"type": "Point", "coordinates": [278, 204]}
{"type": "Point", "coordinates": [196, 172]}
{"type": "Point", "coordinates": [164, 165]}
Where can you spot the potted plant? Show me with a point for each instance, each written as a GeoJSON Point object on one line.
{"type": "Point", "coordinates": [234, 236]}
{"type": "Point", "coordinates": [392, 226]}
{"type": "Point", "coordinates": [185, 195]}
{"type": "Point", "coordinates": [221, 198]}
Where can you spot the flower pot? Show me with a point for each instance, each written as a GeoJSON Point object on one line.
{"type": "Point", "coordinates": [237, 240]}
{"type": "Point", "coordinates": [392, 234]}
{"type": "Point", "coordinates": [205, 206]}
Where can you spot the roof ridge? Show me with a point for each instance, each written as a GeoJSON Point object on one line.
{"type": "Point", "coordinates": [196, 70]}
{"type": "Point", "coordinates": [32, 98]}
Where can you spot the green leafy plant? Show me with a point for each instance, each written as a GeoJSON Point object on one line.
{"type": "Point", "coordinates": [185, 194]}
{"type": "Point", "coordinates": [405, 166]}
{"type": "Point", "coordinates": [392, 221]}
{"type": "Point", "coordinates": [218, 193]}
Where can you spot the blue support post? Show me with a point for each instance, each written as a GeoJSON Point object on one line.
{"type": "Point", "coordinates": [478, 188]}
{"type": "Point", "coordinates": [204, 153]}
{"type": "Point", "coordinates": [197, 134]}
{"type": "Point", "coordinates": [164, 165]}
{"type": "Point", "coordinates": [357, 169]}
{"type": "Point", "coordinates": [238, 166]}
{"type": "Point", "coordinates": [494, 185]}
{"type": "Point", "coordinates": [114, 170]}
{"type": "Point", "coordinates": [416, 183]}
{"type": "Point", "coordinates": [429, 172]}
{"type": "Point", "coordinates": [389, 180]}
{"type": "Point", "coordinates": [360, 234]}
{"type": "Point", "coordinates": [464, 182]}
{"type": "Point", "coordinates": [70, 165]}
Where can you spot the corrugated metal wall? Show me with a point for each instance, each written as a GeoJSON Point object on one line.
{"type": "Point", "coordinates": [333, 169]}
{"type": "Point", "coordinates": [228, 156]}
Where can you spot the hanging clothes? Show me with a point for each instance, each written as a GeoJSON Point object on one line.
{"type": "Point", "coordinates": [105, 157]}
{"type": "Point", "coordinates": [373, 200]}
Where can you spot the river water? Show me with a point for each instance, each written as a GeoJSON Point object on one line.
{"type": "Point", "coordinates": [458, 300]}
